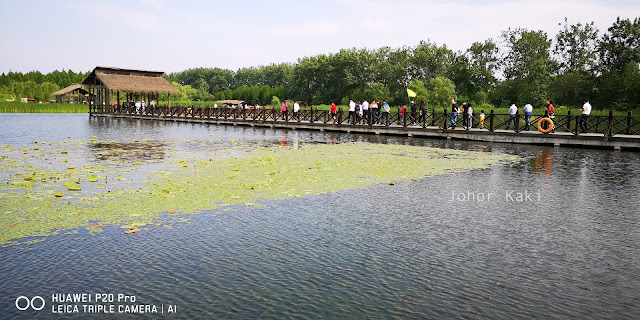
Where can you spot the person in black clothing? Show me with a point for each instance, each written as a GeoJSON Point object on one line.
{"type": "Point", "coordinates": [454, 114]}
{"type": "Point", "coordinates": [465, 115]}
{"type": "Point", "coordinates": [414, 111]}
{"type": "Point", "coordinates": [423, 111]}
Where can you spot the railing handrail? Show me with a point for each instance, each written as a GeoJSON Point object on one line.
{"type": "Point", "coordinates": [608, 125]}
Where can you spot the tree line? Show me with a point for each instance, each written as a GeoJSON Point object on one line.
{"type": "Point", "coordinates": [36, 85]}
{"type": "Point", "coordinates": [522, 65]}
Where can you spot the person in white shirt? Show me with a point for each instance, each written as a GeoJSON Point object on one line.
{"type": "Point", "coordinates": [584, 119]}
{"type": "Point", "coordinates": [352, 111]}
{"type": "Point", "coordinates": [528, 111]}
{"type": "Point", "coordinates": [296, 109]}
{"type": "Point", "coordinates": [365, 110]}
{"type": "Point", "coordinates": [513, 110]}
{"type": "Point", "coordinates": [470, 113]}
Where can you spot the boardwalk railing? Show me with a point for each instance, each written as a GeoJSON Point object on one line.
{"type": "Point", "coordinates": [608, 126]}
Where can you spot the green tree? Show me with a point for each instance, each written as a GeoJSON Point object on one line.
{"type": "Point", "coordinates": [186, 92]}
{"type": "Point", "coordinates": [203, 89]}
{"type": "Point", "coordinates": [440, 91]}
{"type": "Point", "coordinates": [528, 64]}
{"type": "Point", "coordinates": [420, 89]}
{"type": "Point", "coordinates": [376, 91]}
{"type": "Point", "coordinates": [309, 78]}
{"type": "Point", "coordinates": [428, 60]}
{"type": "Point", "coordinates": [275, 101]}
{"type": "Point", "coordinates": [460, 74]}
{"type": "Point", "coordinates": [570, 88]}
{"type": "Point", "coordinates": [483, 62]}
{"type": "Point", "coordinates": [524, 48]}
{"type": "Point", "coordinates": [620, 45]}
{"type": "Point", "coordinates": [576, 47]}
{"type": "Point", "coordinates": [45, 90]}
{"type": "Point", "coordinates": [535, 86]}
{"type": "Point", "coordinates": [620, 90]}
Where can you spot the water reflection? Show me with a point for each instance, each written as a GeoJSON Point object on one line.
{"type": "Point", "coordinates": [543, 162]}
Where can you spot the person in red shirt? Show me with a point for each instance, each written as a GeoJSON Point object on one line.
{"type": "Point", "coordinates": [550, 111]}
{"type": "Point", "coordinates": [402, 112]}
{"type": "Point", "coordinates": [334, 110]}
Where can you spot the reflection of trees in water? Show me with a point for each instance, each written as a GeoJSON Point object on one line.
{"type": "Point", "coordinates": [145, 150]}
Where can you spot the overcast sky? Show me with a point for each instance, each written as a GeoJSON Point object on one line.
{"type": "Point", "coordinates": [176, 35]}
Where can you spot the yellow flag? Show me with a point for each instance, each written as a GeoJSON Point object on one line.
{"type": "Point", "coordinates": [411, 93]}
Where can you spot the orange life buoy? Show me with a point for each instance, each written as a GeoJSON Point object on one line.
{"type": "Point", "coordinates": [549, 126]}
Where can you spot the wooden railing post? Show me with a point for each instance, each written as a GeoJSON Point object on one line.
{"type": "Point", "coordinates": [629, 122]}
{"type": "Point", "coordinates": [517, 125]}
{"type": "Point", "coordinates": [578, 118]}
{"type": "Point", "coordinates": [433, 117]}
{"type": "Point", "coordinates": [313, 114]}
{"type": "Point", "coordinates": [492, 117]}
{"type": "Point", "coordinates": [445, 118]}
{"type": "Point", "coordinates": [340, 116]}
{"type": "Point", "coordinates": [609, 132]}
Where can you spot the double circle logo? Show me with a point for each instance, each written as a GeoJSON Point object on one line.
{"type": "Point", "coordinates": [36, 303]}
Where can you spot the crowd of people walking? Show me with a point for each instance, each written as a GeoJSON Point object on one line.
{"type": "Point", "coordinates": [379, 113]}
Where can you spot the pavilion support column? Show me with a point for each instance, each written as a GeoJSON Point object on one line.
{"type": "Point", "coordinates": [169, 99]}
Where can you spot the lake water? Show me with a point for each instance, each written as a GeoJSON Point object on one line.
{"type": "Point", "coordinates": [403, 251]}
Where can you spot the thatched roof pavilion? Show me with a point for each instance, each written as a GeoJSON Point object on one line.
{"type": "Point", "coordinates": [300, 102]}
{"type": "Point", "coordinates": [231, 102]}
{"type": "Point", "coordinates": [143, 85]}
{"type": "Point", "coordinates": [71, 94]}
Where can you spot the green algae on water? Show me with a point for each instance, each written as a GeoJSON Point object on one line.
{"type": "Point", "coordinates": [43, 201]}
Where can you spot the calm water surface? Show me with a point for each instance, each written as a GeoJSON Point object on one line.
{"type": "Point", "coordinates": [403, 251]}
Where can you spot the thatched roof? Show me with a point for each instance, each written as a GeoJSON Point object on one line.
{"type": "Point", "coordinates": [233, 102]}
{"type": "Point", "coordinates": [68, 89]}
{"type": "Point", "coordinates": [129, 80]}
{"type": "Point", "coordinates": [300, 102]}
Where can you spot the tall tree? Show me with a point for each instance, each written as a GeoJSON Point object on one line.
{"type": "Point", "coordinates": [528, 64]}
{"type": "Point", "coordinates": [428, 60]}
{"type": "Point", "coordinates": [441, 90]}
{"type": "Point", "coordinates": [483, 62]}
{"type": "Point", "coordinates": [620, 45]}
{"type": "Point", "coordinates": [576, 47]}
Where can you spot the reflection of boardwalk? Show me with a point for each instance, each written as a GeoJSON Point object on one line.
{"type": "Point", "coordinates": [604, 131]}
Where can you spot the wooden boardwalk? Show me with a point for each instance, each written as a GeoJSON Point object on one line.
{"type": "Point", "coordinates": [609, 132]}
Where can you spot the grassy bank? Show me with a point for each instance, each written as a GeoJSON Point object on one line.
{"type": "Point", "coordinates": [19, 107]}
